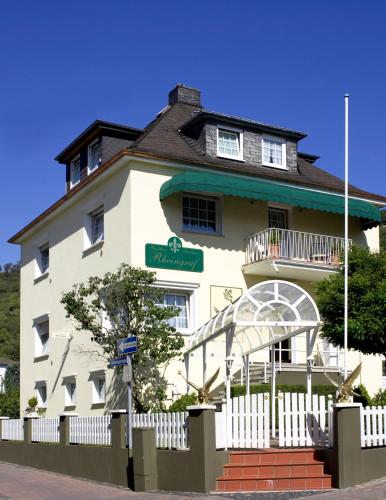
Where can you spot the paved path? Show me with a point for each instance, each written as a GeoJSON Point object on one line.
{"type": "Point", "coordinates": [24, 483]}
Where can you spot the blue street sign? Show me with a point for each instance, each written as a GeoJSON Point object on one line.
{"type": "Point", "coordinates": [120, 361]}
{"type": "Point", "coordinates": [127, 346]}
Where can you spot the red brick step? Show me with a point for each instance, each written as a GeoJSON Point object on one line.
{"type": "Point", "coordinates": [275, 470]}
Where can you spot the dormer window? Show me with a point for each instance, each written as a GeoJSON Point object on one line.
{"type": "Point", "coordinates": [94, 156]}
{"type": "Point", "coordinates": [274, 152]}
{"type": "Point", "coordinates": [229, 143]}
{"type": "Point", "coordinates": [75, 172]}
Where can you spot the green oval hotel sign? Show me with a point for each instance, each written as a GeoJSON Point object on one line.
{"type": "Point", "coordinates": [174, 256]}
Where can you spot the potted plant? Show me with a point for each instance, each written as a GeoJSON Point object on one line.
{"type": "Point", "coordinates": [274, 243]}
{"type": "Point", "coordinates": [335, 255]}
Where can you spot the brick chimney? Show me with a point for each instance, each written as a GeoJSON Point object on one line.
{"type": "Point", "coordinates": [185, 95]}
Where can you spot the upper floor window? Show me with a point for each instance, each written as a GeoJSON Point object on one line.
{"type": "Point", "coordinates": [94, 156]}
{"type": "Point", "coordinates": [42, 259]}
{"type": "Point", "coordinates": [277, 217]}
{"type": "Point", "coordinates": [75, 171]}
{"type": "Point", "coordinates": [42, 334]}
{"type": "Point", "coordinates": [200, 214]}
{"type": "Point", "coordinates": [97, 226]}
{"type": "Point", "coordinates": [180, 300]}
{"type": "Point", "coordinates": [44, 252]}
{"type": "Point", "coordinates": [229, 144]}
{"type": "Point", "coordinates": [274, 152]}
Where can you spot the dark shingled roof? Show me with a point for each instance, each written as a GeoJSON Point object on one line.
{"type": "Point", "coordinates": [162, 138]}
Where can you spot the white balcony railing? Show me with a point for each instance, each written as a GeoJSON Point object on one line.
{"type": "Point", "coordinates": [309, 248]}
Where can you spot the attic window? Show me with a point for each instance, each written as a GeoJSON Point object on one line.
{"type": "Point", "coordinates": [94, 156]}
{"type": "Point", "coordinates": [229, 143]}
{"type": "Point", "coordinates": [274, 152]}
{"type": "Point", "coordinates": [75, 171]}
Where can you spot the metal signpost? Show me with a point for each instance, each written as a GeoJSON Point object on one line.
{"type": "Point", "coordinates": [128, 347]}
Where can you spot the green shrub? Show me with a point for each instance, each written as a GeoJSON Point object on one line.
{"type": "Point", "coordinates": [380, 398]}
{"type": "Point", "coordinates": [363, 397]}
{"type": "Point", "coordinates": [12, 378]}
{"type": "Point", "coordinates": [184, 401]}
{"type": "Point", "coordinates": [321, 390]}
{"type": "Point", "coordinates": [10, 404]}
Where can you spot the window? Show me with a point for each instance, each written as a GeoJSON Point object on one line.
{"type": "Point", "coordinates": [75, 171]}
{"type": "Point", "coordinates": [200, 214]}
{"type": "Point", "coordinates": [180, 300]}
{"type": "Point", "coordinates": [44, 252]}
{"type": "Point", "coordinates": [274, 152]}
{"type": "Point", "coordinates": [94, 156]}
{"type": "Point", "coordinates": [99, 389]}
{"type": "Point", "coordinates": [42, 329]}
{"type": "Point", "coordinates": [41, 390]}
{"type": "Point", "coordinates": [277, 217]}
{"type": "Point", "coordinates": [229, 144]}
{"type": "Point", "coordinates": [70, 393]}
{"type": "Point", "coordinates": [96, 229]}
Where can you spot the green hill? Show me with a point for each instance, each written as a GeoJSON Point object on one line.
{"type": "Point", "coordinates": [9, 314]}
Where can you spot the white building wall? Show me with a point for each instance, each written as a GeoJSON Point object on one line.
{"type": "Point", "coordinates": [135, 216]}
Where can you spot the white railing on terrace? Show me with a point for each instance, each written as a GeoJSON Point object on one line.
{"type": "Point", "coordinates": [90, 430]}
{"type": "Point", "coordinates": [13, 429]}
{"type": "Point", "coordinates": [45, 430]}
{"type": "Point", "coordinates": [373, 426]}
{"type": "Point", "coordinates": [274, 243]}
{"type": "Point", "coordinates": [170, 428]}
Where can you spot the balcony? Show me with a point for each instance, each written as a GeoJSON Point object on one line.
{"type": "Point", "coordinates": [281, 253]}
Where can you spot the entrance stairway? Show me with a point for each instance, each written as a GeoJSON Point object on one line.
{"type": "Point", "coordinates": [275, 470]}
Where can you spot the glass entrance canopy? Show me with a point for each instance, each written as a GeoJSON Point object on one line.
{"type": "Point", "coordinates": [265, 314]}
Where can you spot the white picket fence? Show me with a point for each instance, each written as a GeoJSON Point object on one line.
{"type": "Point", "coordinates": [373, 426]}
{"type": "Point", "coordinates": [90, 430]}
{"type": "Point", "coordinates": [245, 423]}
{"type": "Point", "coordinates": [170, 428]}
{"type": "Point", "coordinates": [304, 420]}
{"type": "Point", "coordinates": [45, 430]}
{"type": "Point", "coordinates": [12, 429]}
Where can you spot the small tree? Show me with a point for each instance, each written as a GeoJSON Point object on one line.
{"type": "Point", "coordinates": [124, 304]}
{"type": "Point", "coordinates": [366, 303]}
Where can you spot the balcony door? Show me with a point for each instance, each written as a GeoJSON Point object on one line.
{"type": "Point", "coordinates": [277, 217]}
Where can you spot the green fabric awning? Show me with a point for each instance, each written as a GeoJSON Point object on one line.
{"type": "Point", "coordinates": [257, 189]}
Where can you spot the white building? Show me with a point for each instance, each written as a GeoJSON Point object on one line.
{"type": "Point", "coordinates": [218, 184]}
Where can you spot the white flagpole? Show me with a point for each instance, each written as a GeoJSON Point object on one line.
{"type": "Point", "coordinates": [346, 98]}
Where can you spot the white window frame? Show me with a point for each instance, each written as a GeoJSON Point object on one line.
{"type": "Point", "coordinates": [95, 378]}
{"type": "Point", "coordinates": [218, 204]}
{"type": "Point", "coordinates": [87, 240]}
{"type": "Point", "coordinates": [39, 385]}
{"type": "Point", "coordinates": [89, 149]}
{"type": "Point", "coordinates": [240, 133]}
{"type": "Point", "coordinates": [181, 288]}
{"type": "Point", "coordinates": [72, 164]}
{"type": "Point", "coordinates": [69, 399]}
{"type": "Point", "coordinates": [283, 143]}
{"type": "Point", "coordinates": [40, 349]}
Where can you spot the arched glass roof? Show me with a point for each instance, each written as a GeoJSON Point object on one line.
{"type": "Point", "coordinates": [265, 314]}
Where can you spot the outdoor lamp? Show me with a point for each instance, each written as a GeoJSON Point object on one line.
{"type": "Point", "coordinates": [229, 362]}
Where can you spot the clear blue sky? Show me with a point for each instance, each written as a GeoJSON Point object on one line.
{"type": "Point", "coordinates": [289, 63]}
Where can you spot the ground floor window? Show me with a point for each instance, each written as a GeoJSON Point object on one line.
{"type": "Point", "coordinates": [70, 393]}
{"type": "Point", "coordinates": [41, 392]}
{"type": "Point", "coordinates": [98, 389]}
